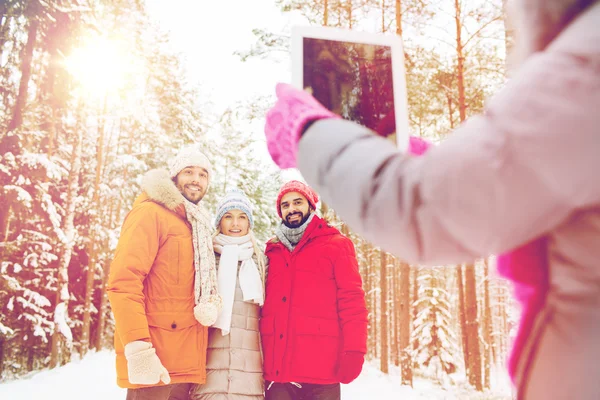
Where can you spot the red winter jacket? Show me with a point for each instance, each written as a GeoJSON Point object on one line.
{"type": "Point", "coordinates": [314, 307]}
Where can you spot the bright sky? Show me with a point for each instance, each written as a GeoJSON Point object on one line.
{"type": "Point", "coordinates": [207, 33]}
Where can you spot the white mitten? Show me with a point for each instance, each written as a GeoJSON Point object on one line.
{"type": "Point", "coordinates": [143, 365]}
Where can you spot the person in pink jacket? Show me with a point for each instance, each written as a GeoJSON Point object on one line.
{"type": "Point", "coordinates": [519, 181]}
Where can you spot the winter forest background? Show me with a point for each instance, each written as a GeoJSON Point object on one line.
{"type": "Point", "coordinates": [92, 95]}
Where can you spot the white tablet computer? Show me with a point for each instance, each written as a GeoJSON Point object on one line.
{"type": "Point", "coordinates": [357, 75]}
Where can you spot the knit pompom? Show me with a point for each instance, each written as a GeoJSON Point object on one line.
{"type": "Point", "coordinates": [208, 308]}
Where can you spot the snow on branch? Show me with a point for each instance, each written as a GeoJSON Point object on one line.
{"type": "Point", "coordinates": [5, 330]}
{"type": "Point", "coordinates": [60, 319]}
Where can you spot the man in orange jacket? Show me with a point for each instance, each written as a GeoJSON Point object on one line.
{"type": "Point", "coordinates": [162, 283]}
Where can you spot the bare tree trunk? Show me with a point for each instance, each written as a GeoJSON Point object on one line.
{"type": "Point", "coordinates": [103, 307]}
{"type": "Point", "coordinates": [5, 23]}
{"type": "Point", "coordinates": [399, 18]}
{"type": "Point", "coordinates": [364, 273]}
{"type": "Point", "coordinates": [460, 66]}
{"type": "Point", "coordinates": [126, 171]}
{"type": "Point", "coordinates": [461, 315]}
{"type": "Point", "coordinates": [505, 324]}
{"type": "Point", "coordinates": [395, 312]}
{"type": "Point", "coordinates": [30, 351]}
{"type": "Point", "coordinates": [474, 365]}
{"type": "Point", "coordinates": [103, 297]}
{"type": "Point", "coordinates": [415, 297]}
{"type": "Point", "coordinates": [374, 303]}
{"type": "Point", "coordinates": [494, 328]}
{"type": "Point", "coordinates": [383, 16]}
{"type": "Point", "coordinates": [57, 42]}
{"type": "Point", "coordinates": [2, 343]}
{"type": "Point", "coordinates": [5, 217]}
{"type": "Point", "coordinates": [62, 290]}
{"type": "Point", "coordinates": [325, 13]}
{"type": "Point", "coordinates": [349, 10]}
{"type": "Point", "coordinates": [405, 325]}
{"type": "Point", "coordinates": [92, 248]}
{"type": "Point", "coordinates": [50, 124]}
{"type": "Point", "coordinates": [17, 118]}
{"type": "Point", "coordinates": [487, 326]}
{"type": "Point", "coordinates": [509, 34]}
{"type": "Point", "coordinates": [369, 290]}
{"type": "Point", "coordinates": [450, 110]}
{"type": "Point", "coordinates": [384, 316]}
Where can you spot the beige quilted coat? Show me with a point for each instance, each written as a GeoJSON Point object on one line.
{"type": "Point", "coordinates": [234, 362]}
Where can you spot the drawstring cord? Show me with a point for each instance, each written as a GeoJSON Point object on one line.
{"type": "Point", "coordinates": [299, 386]}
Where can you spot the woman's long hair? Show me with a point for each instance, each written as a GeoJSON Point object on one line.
{"type": "Point", "coordinates": [260, 255]}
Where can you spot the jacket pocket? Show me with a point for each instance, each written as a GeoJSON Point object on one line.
{"type": "Point", "coordinates": [317, 348]}
{"type": "Point", "coordinates": [180, 341]}
{"type": "Point", "coordinates": [267, 337]}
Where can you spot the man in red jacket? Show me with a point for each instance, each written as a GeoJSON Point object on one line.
{"type": "Point", "coordinates": [314, 320]}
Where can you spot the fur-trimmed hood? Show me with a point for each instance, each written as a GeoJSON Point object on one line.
{"type": "Point", "coordinates": [159, 187]}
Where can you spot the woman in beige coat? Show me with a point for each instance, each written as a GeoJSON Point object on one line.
{"type": "Point", "coordinates": [234, 359]}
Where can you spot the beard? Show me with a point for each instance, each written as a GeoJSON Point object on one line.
{"type": "Point", "coordinates": [193, 197]}
{"type": "Point", "coordinates": [193, 200]}
{"type": "Point", "coordinates": [295, 224]}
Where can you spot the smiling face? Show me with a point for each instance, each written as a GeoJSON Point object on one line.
{"type": "Point", "coordinates": [295, 209]}
{"type": "Point", "coordinates": [192, 182]}
{"type": "Point", "coordinates": [234, 223]}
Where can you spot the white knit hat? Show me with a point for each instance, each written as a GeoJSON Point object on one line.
{"type": "Point", "coordinates": [189, 156]}
{"type": "Point", "coordinates": [234, 199]}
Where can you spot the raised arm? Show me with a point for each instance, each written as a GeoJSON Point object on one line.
{"type": "Point", "coordinates": [503, 178]}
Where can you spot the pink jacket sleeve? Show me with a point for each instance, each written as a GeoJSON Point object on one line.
{"type": "Point", "coordinates": [500, 180]}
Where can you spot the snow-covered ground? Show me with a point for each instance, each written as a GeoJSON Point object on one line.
{"type": "Point", "coordinates": [93, 378]}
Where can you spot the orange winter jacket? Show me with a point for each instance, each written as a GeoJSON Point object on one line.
{"type": "Point", "coordinates": [151, 284]}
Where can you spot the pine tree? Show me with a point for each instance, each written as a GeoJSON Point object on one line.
{"type": "Point", "coordinates": [433, 328]}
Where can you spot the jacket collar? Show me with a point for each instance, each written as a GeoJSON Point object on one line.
{"type": "Point", "coordinates": [160, 188]}
{"type": "Point", "coordinates": [316, 228]}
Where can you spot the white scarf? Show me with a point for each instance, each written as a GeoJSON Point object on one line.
{"type": "Point", "coordinates": [233, 250]}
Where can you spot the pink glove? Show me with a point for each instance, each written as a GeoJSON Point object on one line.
{"type": "Point", "coordinates": [418, 146]}
{"type": "Point", "coordinates": [286, 120]}
{"type": "Point", "coordinates": [351, 363]}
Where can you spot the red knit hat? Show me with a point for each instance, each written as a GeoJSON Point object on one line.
{"type": "Point", "coordinates": [302, 188]}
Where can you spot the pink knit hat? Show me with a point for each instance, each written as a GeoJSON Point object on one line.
{"type": "Point", "coordinates": [302, 188]}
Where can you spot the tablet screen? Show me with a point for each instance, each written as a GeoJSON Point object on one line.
{"type": "Point", "coordinates": [353, 80]}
